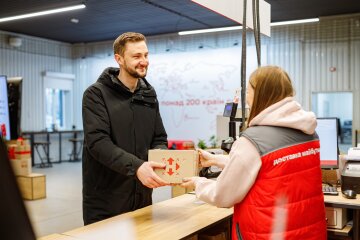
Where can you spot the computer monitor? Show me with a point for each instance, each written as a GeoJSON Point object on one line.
{"type": "Point", "coordinates": [14, 220]}
{"type": "Point", "coordinates": [327, 129]}
{"type": "Point", "coordinates": [14, 88]}
{"type": "Point", "coordinates": [4, 109]}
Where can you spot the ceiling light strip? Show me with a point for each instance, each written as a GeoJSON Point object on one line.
{"type": "Point", "coordinates": [240, 27]}
{"type": "Point", "coordinates": [295, 22]}
{"type": "Point", "coordinates": [210, 30]}
{"type": "Point", "coordinates": [57, 10]}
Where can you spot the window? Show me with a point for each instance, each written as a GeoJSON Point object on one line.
{"type": "Point", "coordinates": [54, 108]}
{"type": "Point", "coordinates": [58, 100]}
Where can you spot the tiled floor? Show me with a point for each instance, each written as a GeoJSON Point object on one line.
{"type": "Point", "coordinates": [61, 210]}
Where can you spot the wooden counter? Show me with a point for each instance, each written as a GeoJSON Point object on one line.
{"type": "Point", "coordinates": [176, 218]}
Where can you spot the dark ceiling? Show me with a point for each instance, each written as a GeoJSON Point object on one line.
{"type": "Point", "coordinates": [106, 19]}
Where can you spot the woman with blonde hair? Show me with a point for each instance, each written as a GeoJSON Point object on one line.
{"type": "Point", "coordinates": [272, 175]}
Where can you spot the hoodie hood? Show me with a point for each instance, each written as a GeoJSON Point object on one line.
{"type": "Point", "coordinates": [286, 113]}
{"type": "Point", "coordinates": [109, 77]}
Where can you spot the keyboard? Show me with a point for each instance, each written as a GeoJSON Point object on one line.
{"type": "Point", "coordinates": [328, 190]}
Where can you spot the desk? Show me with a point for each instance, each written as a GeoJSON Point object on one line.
{"type": "Point", "coordinates": [176, 218]}
{"type": "Point", "coordinates": [341, 202]}
{"type": "Point", "coordinates": [32, 135]}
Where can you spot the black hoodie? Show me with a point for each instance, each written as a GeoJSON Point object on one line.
{"type": "Point", "coordinates": [119, 129]}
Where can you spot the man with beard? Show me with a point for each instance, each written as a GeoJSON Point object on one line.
{"type": "Point", "coordinates": [121, 122]}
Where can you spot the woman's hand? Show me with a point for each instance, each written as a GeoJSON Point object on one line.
{"type": "Point", "coordinates": [189, 182]}
{"type": "Point", "coordinates": [206, 159]}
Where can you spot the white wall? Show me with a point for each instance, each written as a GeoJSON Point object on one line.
{"type": "Point", "coordinates": [306, 51]}
{"type": "Point", "coordinates": [192, 88]}
{"type": "Point", "coordinates": [30, 61]}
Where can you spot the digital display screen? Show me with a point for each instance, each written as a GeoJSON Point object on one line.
{"type": "Point", "coordinates": [228, 109]}
{"type": "Point", "coordinates": [328, 136]}
{"type": "Point", "coordinates": [4, 109]}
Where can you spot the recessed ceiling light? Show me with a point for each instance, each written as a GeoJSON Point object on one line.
{"type": "Point", "coordinates": [74, 20]}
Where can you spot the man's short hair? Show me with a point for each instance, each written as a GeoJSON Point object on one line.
{"type": "Point", "coordinates": [120, 42]}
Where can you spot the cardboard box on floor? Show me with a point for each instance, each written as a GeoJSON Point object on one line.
{"type": "Point", "coordinates": [33, 186]}
{"type": "Point", "coordinates": [179, 164]}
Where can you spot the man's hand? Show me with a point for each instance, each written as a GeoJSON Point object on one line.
{"type": "Point", "coordinates": [148, 177]}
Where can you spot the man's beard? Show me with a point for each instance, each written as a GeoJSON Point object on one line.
{"type": "Point", "coordinates": [134, 73]}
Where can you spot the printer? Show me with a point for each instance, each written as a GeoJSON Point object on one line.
{"type": "Point", "coordinates": [350, 176]}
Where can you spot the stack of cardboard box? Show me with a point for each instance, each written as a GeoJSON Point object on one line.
{"type": "Point", "coordinates": [32, 185]}
{"type": "Point", "coordinates": [20, 157]}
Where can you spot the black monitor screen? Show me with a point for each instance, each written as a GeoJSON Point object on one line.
{"type": "Point", "coordinates": [14, 89]}
{"type": "Point", "coordinates": [327, 129]}
{"type": "Point", "coordinates": [14, 221]}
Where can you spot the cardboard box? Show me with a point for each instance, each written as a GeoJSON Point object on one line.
{"type": "Point", "coordinates": [32, 186]}
{"type": "Point", "coordinates": [179, 164]}
{"type": "Point", "coordinates": [22, 152]}
{"type": "Point", "coordinates": [21, 166]}
{"type": "Point", "coordinates": [329, 176]}
{"type": "Point", "coordinates": [178, 190]}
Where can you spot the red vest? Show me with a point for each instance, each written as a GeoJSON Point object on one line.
{"type": "Point", "coordinates": [292, 173]}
